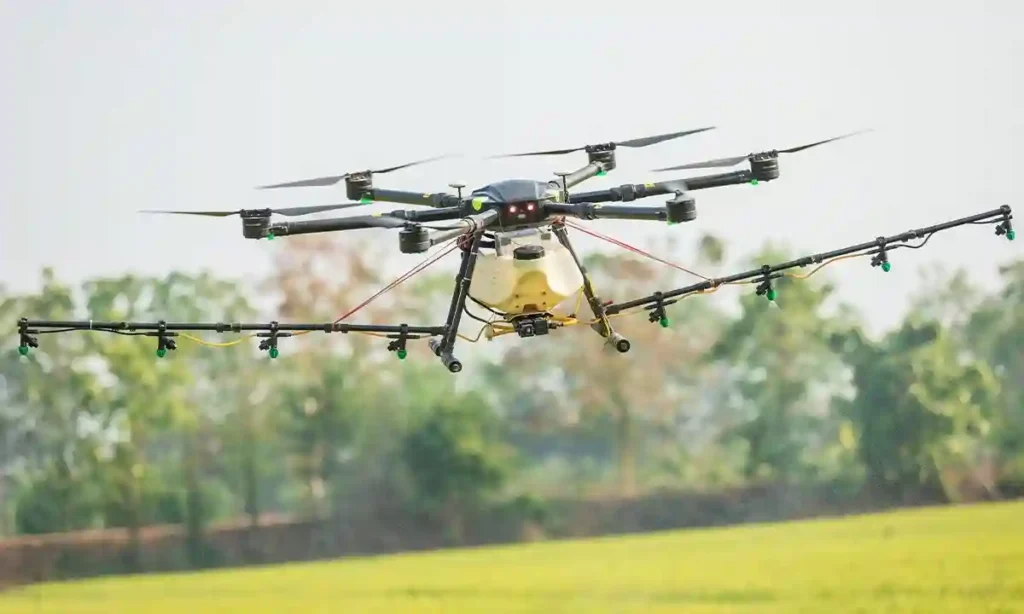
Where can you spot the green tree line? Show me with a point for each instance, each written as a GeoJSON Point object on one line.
{"type": "Point", "coordinates": [95, 431]}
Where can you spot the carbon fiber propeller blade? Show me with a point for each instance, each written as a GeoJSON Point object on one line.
{"type": "Point", "coordinates": [333, 179]}
{"type": "Point", "coordinates": [634, 143]}
{"type": "Point", "coordinates": [733, 161]}
{"type": "Point", "coordinates": [288, 211]}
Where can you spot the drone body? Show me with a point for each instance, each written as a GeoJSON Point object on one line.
{"type": "Point", "coordinates": [517, 260]}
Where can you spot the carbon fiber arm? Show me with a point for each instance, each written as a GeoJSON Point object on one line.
{"type": "Point", "coordinates": [634, 191]}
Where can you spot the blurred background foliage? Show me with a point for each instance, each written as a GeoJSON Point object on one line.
{"type": "Point", "coordinates": [97, 432]}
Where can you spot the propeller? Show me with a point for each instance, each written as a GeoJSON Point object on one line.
{"type": "Point", "coordinates": [634, 143]}
{"type": "Point", "coordinates": [733, 161]}
{"type": "Point", "coordinates": [333, 179]}
{"type": "Point", "coordinates": [288, 211]}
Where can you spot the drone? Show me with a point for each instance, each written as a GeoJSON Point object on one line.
{"type": "Point", "coordinates": [517, 260]}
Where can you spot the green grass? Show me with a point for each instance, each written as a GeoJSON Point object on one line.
{"type": "Point", "coordinates": [963, 560]}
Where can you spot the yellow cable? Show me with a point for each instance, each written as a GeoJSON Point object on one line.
{"type": "Point", "coordinates": [823, 265]}
{"type": "Point", "coordinates": [215, 344]}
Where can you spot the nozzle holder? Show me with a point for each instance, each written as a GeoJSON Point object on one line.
{"type": "Point", "coordinates": [398, 345]}
{"type": "Point", "coordinates": [269, 343]}
{"type": "Point", "coordinates": [164, 339]}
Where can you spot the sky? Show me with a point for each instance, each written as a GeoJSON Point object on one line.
{"type": "Point", "coordinates": [113, 107]}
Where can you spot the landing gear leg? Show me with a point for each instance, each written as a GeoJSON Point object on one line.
{"type": "Point", "coordinates": [603, 327]}
{"type": "Point", "coordinates": [443, 348]}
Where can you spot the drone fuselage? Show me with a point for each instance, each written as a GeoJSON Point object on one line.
{"type": "Point", "coordinates": [528, 271]}
{"type": "Point", "coordinates": [519, 202]}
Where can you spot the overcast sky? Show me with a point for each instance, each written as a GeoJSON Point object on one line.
{"type": "Point", "coordinates": [111, 107]}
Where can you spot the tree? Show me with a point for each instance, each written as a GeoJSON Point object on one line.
{"type": "Point", "coordinates": [995, 332]}
{"type": "Point", "coordinates": [918, 404]}
{"type": "Point", "coordinates": [782, 369]}
{"type": "Point", "coordinates": [157, 406]}
{"type": "Point", "coordinates": [51, 409]}
{"type": "Point", "coordinates": [454, 459]}
{"type": "Point", "coordinates": [990, 328]}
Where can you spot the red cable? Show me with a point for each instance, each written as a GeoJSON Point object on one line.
{"type": "Point", "coordinates": [431, 260]}
{"type": "Point", "coordinates": [398, 281]}
{"type": "Point", "coordinates": [633, 249]}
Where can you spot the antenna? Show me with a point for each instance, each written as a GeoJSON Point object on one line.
{"type": "Point", "coordinates": [565, 187]}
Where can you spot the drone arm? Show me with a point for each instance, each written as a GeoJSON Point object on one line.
{"type": "Point", "coordinates": [577, 177]}
{"type": "Point", "coordinates": [630, 192]}
{"type": "Point", "coordinates": [361, 222]}
{"type": "Point", "coordinates": [419, 239]}
{"type": "Point", "coordinates": [465, 226]}
{"type": "Point", "coordinates": [437, 199]}
{"type": "Point", "coordinates": [878, 247]}
{"type": "Point", "coordinates": [428, 215]}
{"type": "Point", "coordinates": [590, 211]}
{"type": "Point", "coordinates": [282, 229]}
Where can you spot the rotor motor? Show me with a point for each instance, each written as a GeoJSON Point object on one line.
{"type": "Point", "coordinates": [765, 166]}
{"type": "Point", "coordinates": [357, 186]}
{"type": "Point", "coordinates": [603, 155]}
{"type": "Point", "coordinates": [254, 226]}
{"type": "Point", "coordinates": [413, 240]}
{"type": "Point", "coordinates": [681, 208]}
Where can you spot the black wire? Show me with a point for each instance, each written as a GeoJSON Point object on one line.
{"type": "Point", "coordinates": [475, 317]}
{"type": "Point", "coordinates": [497, 313]}
{"type": "Point", "coordinates": [98, 330]}
{"type": "Point", "coordinates": [919, 245]}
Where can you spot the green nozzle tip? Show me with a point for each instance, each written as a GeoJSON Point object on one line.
{"type": "Point", "coordinates": [402, 354]}
{"type": "Point", "coordinates": [753, 182]}
{"type": "Point", "coordinates": [1011, 235]}
{"type": "Point", "coordinates": [270, 236]}
{"type": "Point", "coordinates": [601, 173]}
{"type": "Point", "coordinates": [771, 294]}
{"type": "Point", "coordinates": [366, 200]}
{"type": "Point", "coordinates": [23, 350]}
{"type": "Point", "coordinates": [161, 352]}
{"type": "Point", "coordinates": [274, 352]}
{"type": "Point", "coordinates": [664, 322]}
{"type": "Point", "coordinates": [886, 266]}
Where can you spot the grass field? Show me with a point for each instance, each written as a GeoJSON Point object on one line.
{"type": "Point", "coordinates": [963, 560]}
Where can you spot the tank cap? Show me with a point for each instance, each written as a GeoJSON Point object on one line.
{"type": "Point", "coordinates": [528, 252]}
